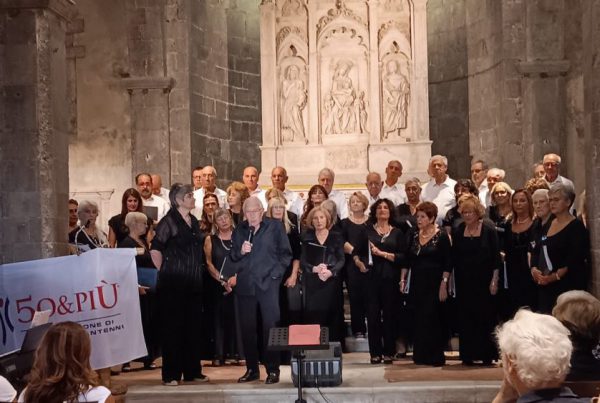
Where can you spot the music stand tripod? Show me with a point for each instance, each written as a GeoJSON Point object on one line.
{"type": "Point", "coordinates": [278, 341]}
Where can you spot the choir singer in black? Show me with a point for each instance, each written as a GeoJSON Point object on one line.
{"type": "Point", "coordinates": [261, 253]}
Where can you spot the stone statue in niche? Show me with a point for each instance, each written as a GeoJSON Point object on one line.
{"type": "Point", "coordinates": [292, 8]}
{"type": "Point", "coordinates": [341, 106]}
{"type": "Point", "coordinates": [396, 94]}
{"type": "Point", "coordinates": [293, 101]}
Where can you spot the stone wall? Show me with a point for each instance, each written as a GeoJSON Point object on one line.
{"type": "Point", "coordinates": [225, 86]}
{"type": "Point", "coordinates": [448, 83]}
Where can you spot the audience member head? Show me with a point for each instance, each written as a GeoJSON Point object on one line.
{"type": "Point", "coordinates": [237, 193]}
{"type": "Point", "coordinates": [250, 178]}
{"type": "Point", "coordinates": [197, 177]}
{"type": "Point", "coordinates": [222, 220]}
{"type": "Point", "coordinates": [469, 204]}
{"type": "Point", "coordinates": [137, 223]}
{"type": "Point", "coordinates": [131, 201]}
{"type": "Point", "coordinates": [382, 210]}
{"type": "Point", "coordinates": [330, 206]}
{"type": "Point", "coordinates": [534, 184]}
{"type": "Point", "coordinates": [551, 166]}
{"type": "Point", "coordinates": [412, 187]}
{"type": "Point", "coordinates": [73, 212]}
{"type": "Point", "coordinates": [276, 209]}
{"type": "Point", "coordinates": [374, 184]}
{"type": "Point", "coordinates": [464, 186]}
{"type": "Point", "coordinates": [561, 197]}
{"type": "Point", "coordinates": [156, 184]}
{"type": "Point", "coordinates": [208, 179]}
{"type": "Point", "coordinates": [210, 202]}
{"type": "Point", "coordinates": [538, 170]}
{"type": "Point", "coordinates": [426, 214]}
{"type": "Point", "coordinates": [579, 311]}
{"type": "Point", "coordinates": [87, 212]}
{"type": "Point", "coordinates": [143, 182]}
{"type": "Point", "coordinates": [326, 178]}
{"type": "Point", "coordinates": [494, 175]}
{"type": "Point", "coordinates": [478, 172]}
{"type": "Point", "coordinates": [536, 351]}
{"type": "Point", "coordinates": [541, 206]}
{"type": "Point", "coordinates": [358, 203]}
{"type": "Point", "coordinates": [279, 178]}
{"type": "Point", "coordinates": [253, 210]}
{"type": "Point", "coordinates": [393, 172]}
{"type": "Point", "coordinates": [438, 166]}
{"type": "Point", "coordinates": [182, 196]}
{"type": "Point", "coordinates": [501, 192]}
{"type": "Point", "coordinates": [319, 218]}
{"type": "Point", "coordinates": [61, 369]}
{"type": "Point", "coordinates": [274, 192]}
{"type": "Point", "coordinates": [522, 204]}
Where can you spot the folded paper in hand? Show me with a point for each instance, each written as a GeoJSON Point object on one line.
{"type": "Point", "coordinates": [314, 253]}
{"type": "Point", "coordinates": [304, 335]}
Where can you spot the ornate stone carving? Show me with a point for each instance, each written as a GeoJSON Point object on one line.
{"type": "Point", "coordinates": [340, 10]}
{"type": "Point", "coordinates": [393, 5]}
{"type": "Point", "coordinates": [292, 8]}
{"type": "Point", "coordinates": [293, 102]}
{"type": "Point", "coordinates": [395, 94]}
{"type": "Point", "coordinates": [402, 27]}
{"type": "Point", "coordinates": [285, 31]}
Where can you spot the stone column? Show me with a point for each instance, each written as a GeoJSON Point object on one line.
{"type": "Point", "coordinates": [34, 174]}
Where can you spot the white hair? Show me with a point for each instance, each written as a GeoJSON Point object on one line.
{"type": "Point", "coordinates": [538, 346]}
{"type": "Point", "coordinates": [541, 193]}
{"type": "Point", "coordinates": [252, 201]}
{"type": "Point", "coordinates": [439, 157]}
{"type": "Point", "coordinates": [553, 156]}
{"type": "Point", "coordinates": [497, 171]}
{"type": "Point", "coordinates": [327, 171]}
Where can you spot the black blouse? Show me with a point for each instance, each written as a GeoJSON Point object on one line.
{"type": "Point", "coordinates": [334, 251]}
{"type": "Point", "coordinates": [144, 260]}
{"type": "Point", "coordinates": [117, 224]}
{"type": "Point", "coordinates": [394, 242]}
{"type": "Point", "coordinates": [356, 235]}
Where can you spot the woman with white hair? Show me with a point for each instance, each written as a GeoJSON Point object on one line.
{"type": "Point", "coordinates": [558, 261]}
{"type": "Point", "coordinates": [536, 351]}
{"type": "Point", "coordinates": [88, 236]}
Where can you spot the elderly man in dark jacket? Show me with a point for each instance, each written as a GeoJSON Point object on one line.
{"type": "Point", "coordinates": [261, 252]}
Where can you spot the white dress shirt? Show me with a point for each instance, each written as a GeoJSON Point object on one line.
{"type": "Point", "coordinates": [441, 195]}
{"type": "Point", "coordinates": [164, 193]}
{"type": "Point", "coordinates": [563, 181]}
{"type": "Point", "coordinates": [295, 204]}
{"type": "Point", "coordinates": [220, 193]}
{"type": "Point", "coordinates": [261, 194]}
{"type": "Point", "coordinates": [161, 204]}
{"type": "Point", "coordinates": [395, 193]}
{"type": "Point", "coordinates": [484, 194]}
{"type": "Point", "coordinates": [340, 202]}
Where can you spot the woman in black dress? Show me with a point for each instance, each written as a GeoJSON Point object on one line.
{"type": "Point", "coordinates": [177, 250]}
{"type": "Point", "coordinates": [237, 193]}
{"type": "Point", "coordinates": [519, 288]}
{"type": "Point", "coordinates": [89, 235]}
{"type": "Point", "coordinates": [354, 232]}
{"type": "Point", "coordinates": [316, 195]}
{"type": "Point", "coordinates": [453, 218]}
{"type": "Point", "coordinates": [227, 340]}
{"type": "Point", "coordinates": [476, 259]}
{"type": "Point", "coordinates": [559, 260]}
{"type": "Point", "coordinates": [117, 230]}
{"type": "Point", "coordinates": [210, 203]}
{"type": "Point", "coordinates": [137, 226]}
{"type": "Point", "coordinates": [500, 211]}
{"type": "Point", "coordinates": [388, 246]}
{"type": "Point", "coordinates": [405, 212]}
{"type": "Point", "coordinates": [429, 262]}
{"type": "Point", "coordinates": [322, 283]}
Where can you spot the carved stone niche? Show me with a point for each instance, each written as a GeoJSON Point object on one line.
{"type": "Point", "coordinates": [344, 85]}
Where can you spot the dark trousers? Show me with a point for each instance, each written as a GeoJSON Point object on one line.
{"type": "Point", "coordinates": [248, 305]}
{"type": "Point", "coordinates": [180, 315]}
{"type": "Point", "coordinates": [382, 316]}
{"type": "Point", "coordinates": [358, 289]}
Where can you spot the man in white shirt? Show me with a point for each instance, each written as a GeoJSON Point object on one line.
{"type": "Point", "coordinates": [326, 178]}
{"type": "Point", "coordinates": [440, 189]}
{"type": "Point", "coordinates": [393, 190]}
{"type": "Point", "coordinates": [250, 179]}
{"type": "Point", "coordinates": [143, 182]}
{"type": "Point", "coordinates": [479, 171]}
{"type": "Point", "coordinates": [551, 164]}
{"type": "Point", "coordinates": [157, 189]}
{"type": "Point", "coordinates": [374, 185]}
{"type": "Point", "coordinates": [279, 178]}
{"type": "Point", "coordinates": [494, 175]}
{"type": "Point", "coordinates": [208, 184]}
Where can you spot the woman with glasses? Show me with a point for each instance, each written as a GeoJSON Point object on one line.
{"type": "Point", "coordinates": [501, 209]}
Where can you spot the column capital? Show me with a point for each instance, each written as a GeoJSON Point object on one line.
{"type": "Point", "coordinates": [66, 9]}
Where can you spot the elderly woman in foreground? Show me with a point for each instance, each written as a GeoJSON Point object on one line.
{"type": "Point", "coordinates": [536, 351]}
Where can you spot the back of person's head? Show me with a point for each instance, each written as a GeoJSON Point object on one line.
{"type": "Point", "coordinates": [61, 369]}
{"type": "Point", "coordinates": [537, 346]}
{"type": "Point", "coordinates": [579, 311]}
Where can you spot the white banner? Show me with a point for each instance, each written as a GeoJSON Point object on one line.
{"type": "Point", "coordinates": [97, 289]}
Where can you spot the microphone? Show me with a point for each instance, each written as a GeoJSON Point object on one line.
{"type": "Point", "coordinates": [251, 234]}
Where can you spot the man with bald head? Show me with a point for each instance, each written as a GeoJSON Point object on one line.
{"type": "Point", "coordinates": [392, 189]}
{"type": "Point", "coordinates": [208, 184]}
{"type": "Point", "coordinates": [250, 179]}
{"type": "Point", "coordinates": [279, 179]}
{"type": "Point", "coordinates": [494, 175]}
{"type": "Point", "coordinates": [326, 178]}
{"type": "Point", "coordinates": [374, 185]}
{"type": "Point", "coordinates": [157, 188]}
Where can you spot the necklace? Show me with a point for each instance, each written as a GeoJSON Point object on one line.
{"type": "Point", "coordinates": [471, 233]}
{"type": "Point", "coordinates": [523, 221]}
{"type": "Point", "coordinates": [223, 243]}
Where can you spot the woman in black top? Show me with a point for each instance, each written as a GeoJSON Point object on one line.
{"type": "Point", "coordinates": [322, 282]}
{"type": "Point", "coordinates": [237, 193]}
{"type": "Point", "coordinates": [476, 259]}
{"type": "Point", "coordinates": [137, 226]}
{"type": "Point", "coordinates": [559, 260]}
{"type": "Point", "coordinates": [354, 232]}
{"type": "Point", "coordinates": [227, 340]}
{"type": "Point", "coordinates": [429, 261]}
{"type": "Point", "coordinates": [177, 250]}
{"type": "Point", "coordinates": [500, 211]}
{"type": "Point", "coordinates": [210, 203]}
{"type": "Point", "coordinates": [405, 213]}
{"type": "Point", "coordinates": [518, 285]}
{"type": "Point", "coordinates": [117, 231]}
{"type": "Point", "coordinates": [453, 218]}
{"type": "Point", "coordinates": [89, 235]}
{"type": "Point", "coordinates": [316, 195]}
{"type": "Point", "coordinates": [388, 245]}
